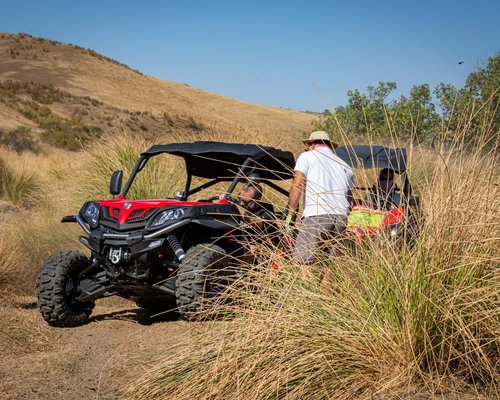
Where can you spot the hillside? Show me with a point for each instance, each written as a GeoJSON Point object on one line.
{"type": "Point", "coordinates": [62, 90]}
{"type": "Point", "coordinates": [384, 318]}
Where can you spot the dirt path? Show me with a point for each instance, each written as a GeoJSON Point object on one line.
{"type": "Point", "coordinates": [95, 361]}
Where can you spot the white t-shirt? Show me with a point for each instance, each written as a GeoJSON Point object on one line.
{"type": "Point", "coordinates": [328, 179]}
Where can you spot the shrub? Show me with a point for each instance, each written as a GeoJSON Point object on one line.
{"type": "Point", "coordinates": [19, 140]}
{"type": "Point", "coordinates": [69, 134]}
{"type": "Point", "coordinates": [39, 92]}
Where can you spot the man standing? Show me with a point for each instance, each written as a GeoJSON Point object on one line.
{"type": "Point", "coordinates": [326, 183]}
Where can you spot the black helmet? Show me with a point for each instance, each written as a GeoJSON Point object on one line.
{"type": "Point", "coordinates": [253, 178]}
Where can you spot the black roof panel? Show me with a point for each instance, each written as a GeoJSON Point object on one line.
{"type": "Point", "coordinates": [216, 159]}
{"type": "Point", "coordinates": [366, 156]}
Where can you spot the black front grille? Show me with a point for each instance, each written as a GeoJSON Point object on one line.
{"type": "Point", "coordinates": [105, 214]}
{"type": "Point", "coordinates": [135, 219]}
{"type": "Point", "coordinates": [135, 213]}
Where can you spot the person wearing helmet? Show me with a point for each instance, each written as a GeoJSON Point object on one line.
{"type": "Point", "coordinates": [251, 208]}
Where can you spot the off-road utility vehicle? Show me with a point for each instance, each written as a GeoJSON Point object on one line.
{"type": "Point", "coordinates": [157, 252]}
{"type": "Point", "coordinates": [385, 209]}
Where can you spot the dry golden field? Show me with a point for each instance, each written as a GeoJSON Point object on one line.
{"type": "Point", "coordinates": [387, 323]}
{"type": "Point", "coordinates": [417, 322]}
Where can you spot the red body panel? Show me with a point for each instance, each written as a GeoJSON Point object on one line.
{"type": "Point", "coordinates": [124, 210]}
{"type": "Point", "coordinates": [394, 216]}
{"type": "Point", "coordinates": [359, 233]}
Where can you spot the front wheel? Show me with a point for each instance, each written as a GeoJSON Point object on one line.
{"type": "Point", "coordinates": [201, 278]}
{"type": "Point", "coordinates": [57, 289]}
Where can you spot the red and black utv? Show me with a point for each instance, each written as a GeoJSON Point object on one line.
{"type": "Point", "coordinates": [156, 252]}
{"type": "Point", "coordinates": [386, 209]}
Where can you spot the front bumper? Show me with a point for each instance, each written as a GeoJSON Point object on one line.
{"type": "Point", "coordinates": [132, 244]}
{"type": "Point", "coordinates": [133, 237]}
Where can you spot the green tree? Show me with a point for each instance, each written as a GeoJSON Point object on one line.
{"type": "Point", "coordinates": [474, 108]}
{"type": "Point", "coordinates": [471, 111]}
{"type": "Point", "coordinates": [456, 105]}
{"type": "Point", "coordinates": [484, 86]}
{"type": "Point", "coordinates": [423, 117]}
{"type": "Point", "coordinates": [364, 114]}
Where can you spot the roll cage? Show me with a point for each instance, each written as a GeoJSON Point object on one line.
{"type": "Point", "coordinates": [378, 157]}
{"type": "Point", "coordinates": [222, 162]}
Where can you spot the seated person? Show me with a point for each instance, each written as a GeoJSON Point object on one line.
{"type": "Point", "coordinates": [383, 194]}
{"type": "Point", "coordinates": [251, 209]}
{"type": "Point", "coordinates": [256, 220]}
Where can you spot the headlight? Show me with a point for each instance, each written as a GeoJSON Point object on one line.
{"type": "Point", "coordinates": [167, 215]}
{"type": "Point", "coordinates": [91, 214]}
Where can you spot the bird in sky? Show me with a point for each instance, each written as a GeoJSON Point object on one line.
{"type": "Point", "coordinates": [460, 62]}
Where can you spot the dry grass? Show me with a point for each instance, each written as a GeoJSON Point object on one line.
{"type": "Point", "coordinates": [27, 245]}
{"type": "Point", "coordinates": [385, 322]}
{"type": "Point", "coordinates": [18, 188]}
{"type": "Point", "coordinates": [32, 231]}
{"type": "Point", "coordinates": [22, 332]}
{"type": "Point", "coordinates": [9, 250]}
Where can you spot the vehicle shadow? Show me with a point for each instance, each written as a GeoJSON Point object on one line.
{"type": "Point", "coordinates": [138, 315]}
{"type": "Point", "coordinates": [27, 305]}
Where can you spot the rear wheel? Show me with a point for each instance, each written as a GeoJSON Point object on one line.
{"type": "Point", "coordinates": [201, 279]}
{"type": "Point", "coordinates": [57, 289]}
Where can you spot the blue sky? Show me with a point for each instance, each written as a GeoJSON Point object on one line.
{"type": "Point", "coordinates": [304, 55]}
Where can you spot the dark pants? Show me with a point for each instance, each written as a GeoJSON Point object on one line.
{"type": "Point", "coordinates": [313, 232]}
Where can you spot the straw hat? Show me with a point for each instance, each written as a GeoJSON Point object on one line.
{"type": "Point", "coordinates": [318, 136]}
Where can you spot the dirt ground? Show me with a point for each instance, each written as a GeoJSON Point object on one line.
{"type": "Point", "coordinates": [95, 361]}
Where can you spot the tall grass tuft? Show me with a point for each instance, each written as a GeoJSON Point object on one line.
{"type": "Point", "coordinates": [385, 321]}
{"type": "Point", "coordinates": [31, 231]}
{"type": "Point", "coordinates": [18, 188]}
{"type": "Point", "coordinates": [8, 262]}
{"type": "Point", "coordinates": [159, 179]}
{"type": "Point", "coordinates": [27, 241]}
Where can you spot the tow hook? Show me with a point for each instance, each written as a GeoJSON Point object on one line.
{"type": "Point", "coordinates": [116, 255]}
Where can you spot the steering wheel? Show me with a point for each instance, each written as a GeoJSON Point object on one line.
{"type": "Point", "coordinates": [211, 199]}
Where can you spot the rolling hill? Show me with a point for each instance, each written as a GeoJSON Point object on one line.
{"type": "Point", "coordinates": [66, 92]}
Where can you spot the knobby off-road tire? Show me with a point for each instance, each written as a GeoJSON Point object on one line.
{"type": "Point", "coordinates": [56, 290]}
{"type": "Point", "coordinates": [199, 279]}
